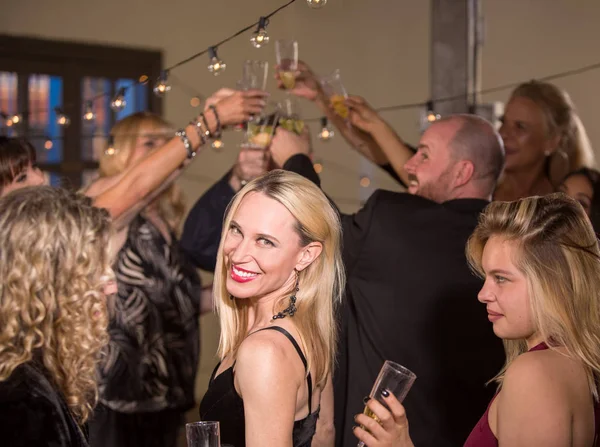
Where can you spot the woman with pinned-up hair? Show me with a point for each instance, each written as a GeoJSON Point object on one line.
{"type": "Point", "coordinates": [544, 140]}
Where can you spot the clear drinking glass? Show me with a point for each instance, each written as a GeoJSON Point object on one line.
{"type": "Point", "coordinates": [203, 434]}
{"type": "Point", "coordinates": [394, 378]}
{"type": "Point", "coordinates": [334, 88]}
{"type": "Point", "coordinates": [255, 74]}
{"type": "Point", "coordinates": [289, 115]}
{"type": "Point", "coordinates": [261, 129]}
{"type": "Point", "coordinates": [286, 52]}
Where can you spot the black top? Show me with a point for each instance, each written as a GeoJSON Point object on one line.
{"type": "Point", "coordinates": [412, 299]}
{"type": "Point", "coordinates": [152, 357]}
{"type": "Point", "coordinates": [223, 404]}
{"type": "Point", "coordinates": [34, 413]}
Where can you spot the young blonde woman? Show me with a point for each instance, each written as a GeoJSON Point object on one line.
{"type": "Point", "coordinates": [541, 264]}
{"type": "Point", "coordinates": [279, 274]}
{"type": "Point", "coordinates": [54, 267]}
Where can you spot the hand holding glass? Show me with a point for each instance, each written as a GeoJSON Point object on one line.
{"type": "Point", "coordinates": [394, 378]}
{"type": "Point", "coordinates": [334, 88]}
{"type": "Point", "coordinates": [286, 52]}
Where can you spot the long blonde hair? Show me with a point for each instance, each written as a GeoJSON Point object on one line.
{"type": "Point", "coordinates": [171, 203]}
{"type": "Point", "coordinates": [558, 254]}
{"type": "Point", "coordinates": [321, 284]}
{"type": "Point", "coordinates": [52, 309]}
{"type": "Point", "coordinates": [561, 119]}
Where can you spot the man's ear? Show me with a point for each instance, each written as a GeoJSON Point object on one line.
{"type": "Point", "coordinates": [464, 171]}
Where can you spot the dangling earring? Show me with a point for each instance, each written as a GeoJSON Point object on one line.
{"type": "Point", "coordinates": [291, 309]}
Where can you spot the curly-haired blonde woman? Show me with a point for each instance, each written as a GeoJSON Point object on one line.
{"type": "Point", "coordinates": [53, 314]}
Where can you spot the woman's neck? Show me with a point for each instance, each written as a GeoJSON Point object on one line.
{"type": "Point", "coordinates": [262, 309]}
{"type": "Point", "coordinates": [518, 184]}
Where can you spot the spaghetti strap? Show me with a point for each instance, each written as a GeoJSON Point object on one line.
{"type": "Point", "coordinates": [302, 357]}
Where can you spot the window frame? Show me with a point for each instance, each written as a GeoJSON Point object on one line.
{"type": "Point", "coordinates": [72, 62]}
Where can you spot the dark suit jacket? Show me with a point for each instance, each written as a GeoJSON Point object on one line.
{"type": "Point", "coordinates": [411, 298]}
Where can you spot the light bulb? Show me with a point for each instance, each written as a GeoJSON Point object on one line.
{"type": "Point", "coordinates": [216, 65]}
{"type": "Point", "coordinates": [118, 103]}
{"type": "Point", "coordinates": [260, 36]}
{"type": "Point", "coordinates": [365, 182]}
{"type": "Point", "coordinates": [110, 149]}
{"type": "Point", "coordinates": [431, 115]}
{"type": "Point", "coordinates": [162, 86]}
{"type": "Point", "coordinates": [89, 114]}
{"type": "Point", "coordinates": [17, 118]}
{"type": "Point", "coordinates": [316, 4]}
{"type": "Point", "coordinates": [318, 166]}
{"type": "Point", "coordinates": [62, 119]}
{"type": "Point", "coordinates": [48, 144]}
{"type": "Point", "coordinates": [326, 133]}
{"type": "Point", "coordinates": [217, 144]}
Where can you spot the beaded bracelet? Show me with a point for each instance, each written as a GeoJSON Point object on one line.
{"type": "Point", "coordinates": [208, 132]}
{"type": "Point", "coordinates": [186, 143]}
{"type": "Point", "coordinates": [217, 133]}
{"type": "Point", "coordinates": [198, 126]}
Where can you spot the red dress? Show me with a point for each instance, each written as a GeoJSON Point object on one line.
{"type": "Point", "coordinates": [482, 435]}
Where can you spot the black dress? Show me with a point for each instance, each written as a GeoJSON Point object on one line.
{"type": "Point", "coordinates": [222, 403]}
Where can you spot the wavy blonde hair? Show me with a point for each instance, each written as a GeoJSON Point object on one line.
{"type": "Point", "coordinates": [558, 254]}
{"type": "Point", "coordinates": [52, 308]}
{"type": "Point", "coordinates": [321, 284]}
{"type": "Point", "coordinates": [125, 133]}
{"type": "Point", "coordinates": [561, 119]}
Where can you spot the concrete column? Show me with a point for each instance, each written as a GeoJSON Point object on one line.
{"type": "Point", "coordinates": [454, 55]}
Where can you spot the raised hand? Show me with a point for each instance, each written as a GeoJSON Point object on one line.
{"type": "Point", "coordinates": [234, 106]}
{"type": "Point", "coordinates": [306, 84]}
{"type": "Point", "coordinates": [362, 115]}
{"type": "Point", "coordinates": [286, 144]}
{"type": "Point", "coordinates": [251, 163]}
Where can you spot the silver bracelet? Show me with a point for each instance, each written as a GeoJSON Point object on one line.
{"type": "Point", "coordinates": [186, 143]}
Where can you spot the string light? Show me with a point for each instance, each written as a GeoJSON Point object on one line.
{"type": "Point", "coordinates": [431, 115]}
{"type": "Point", "coordinates": [110, 149]}
{"type": "Point", "coordinates": [162, 86]}
{"type": "Point", "coordinates": [327, 132]}
{"type": "Point", "coordinates": [365, 182]}
{"type": "Point", "coordinates": [217, 144]}
{"type": "Point", "coordinates": [143, 79]}
{"type": "Point", "coordinates": [316, 4]}
{"type": "Point", "coordinates": [62, 119]}
{"type": "Point", "coordinates": [48, 144]}
{"type": "Point", "coordinates": [216, 65]}
{"type": "Point", "coordinates": [14, 120]}
{"type": "Point", "coordinates": [260, 36]}
{"type": "Point", "coordinates": [89, 114]}
{"type": "Point", "coordinates": [118, 103]}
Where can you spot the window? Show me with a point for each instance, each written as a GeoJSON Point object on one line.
{"type": "Point", "coordinates": [39, 76]}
